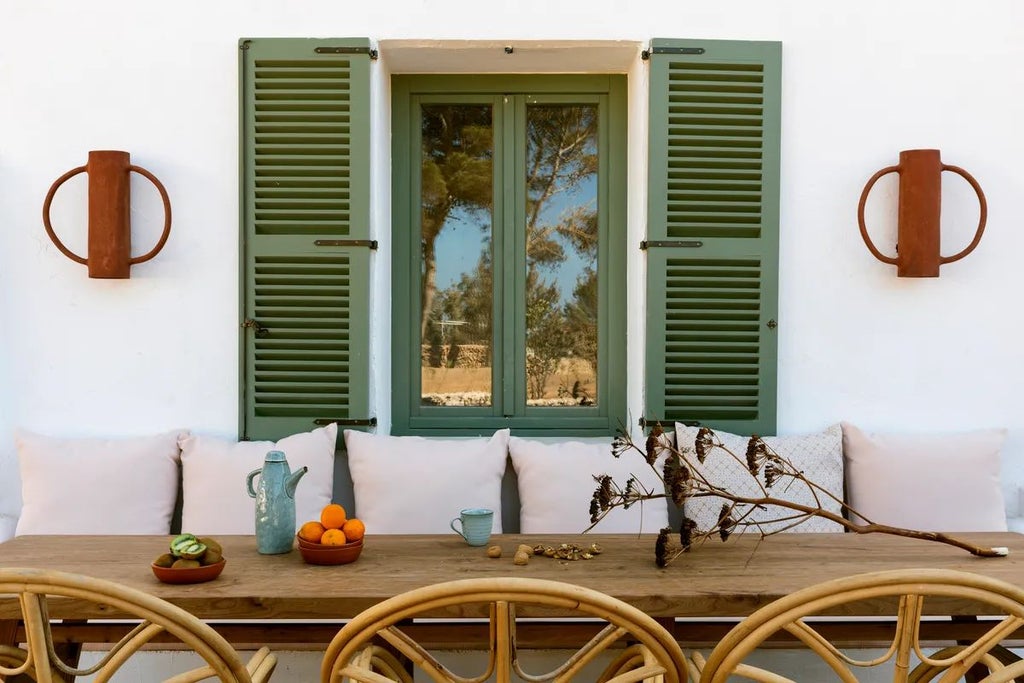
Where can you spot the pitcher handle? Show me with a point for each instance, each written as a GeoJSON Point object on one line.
{"type": "Point", "coordinates": [248, 482]}
{"type": "Point", "coordinates": [458, 531]}
{"type": "Point", "coordinates": [891, 260]}
{"type": "Point", "coordinates": [981, 218]}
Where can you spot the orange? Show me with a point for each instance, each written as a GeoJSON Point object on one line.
{"type": "Point", "coordinates": [311, 531]}
{"type": "Point", "coordinates": [332, 516]}
{"type": "Point", "coordinates": [334, 537]}
{"type": "Point", "coordinates": [354, 529]}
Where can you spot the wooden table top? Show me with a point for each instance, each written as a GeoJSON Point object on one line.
{"type": "Point", "coordinates": [715, 580]}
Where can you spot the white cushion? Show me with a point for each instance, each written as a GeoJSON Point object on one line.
{"type": "Point", "coordinates": [215, 499]}
{"type": "Point", "coordinates": [935, 482]}
{"type": "Point", "coordinates": [97, 486]}
{"type": "Point", "coordinates": [417, 485]}
{"type": "Point", "coordinates": [819, 456]}
{"type": "Point", "coordinates": [556, 484]}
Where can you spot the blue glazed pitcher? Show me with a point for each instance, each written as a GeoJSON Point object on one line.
{"type": "Point", "coordinates": [275, 503]}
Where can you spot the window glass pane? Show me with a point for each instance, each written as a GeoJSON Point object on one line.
{"type": "Point", "coordinates": [456, 224]}
{"type": "Point", "coordinates": [561, 255]}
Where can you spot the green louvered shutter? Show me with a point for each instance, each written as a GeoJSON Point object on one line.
{"type": "Point", "coordinates": [305, 124]}
{"type": "Point", "coordinates": [713, 233]}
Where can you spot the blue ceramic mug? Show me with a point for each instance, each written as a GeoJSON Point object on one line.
{"type": "Point", "coordinates": [475, 525]}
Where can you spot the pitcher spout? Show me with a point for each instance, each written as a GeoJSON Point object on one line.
{"type": "Point", "coordinates": [293, 480]}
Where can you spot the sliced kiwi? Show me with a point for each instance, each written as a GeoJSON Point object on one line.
{"type": "Point", "coordinates": [165, 560]}
{"type": "Point", "coordinates": [182, 541]}
{"type": "Point", "coordinates": [192, 551]}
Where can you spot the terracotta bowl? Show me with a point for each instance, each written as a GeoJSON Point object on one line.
{"type": "Point", "coordinates": [303, 543]}
{"type": "Point", "coordinates": [194, 575]}
{"type": "Point", "coordinates": [316, 553]}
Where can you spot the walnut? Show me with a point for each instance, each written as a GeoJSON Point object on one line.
{"type": "Point", "coordinates": [521, 557]}
{"type": "Point", "coordinates": [494, 551]}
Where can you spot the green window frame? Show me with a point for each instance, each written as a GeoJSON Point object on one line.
{"type": "Point", "coordinates": [510, 96]}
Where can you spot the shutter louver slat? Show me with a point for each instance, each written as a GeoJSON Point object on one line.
{"type": "Point", "coordinates": [714, 179]}
{"type": "Point", "coordinates": [291, 296]}
{"type": "Point", "coordinates": [302, 127]}
{"type": "Point", "coordinates": [732, 290]}
{"type": "Point", "coordinates": [705, 144]}
{"type": "Point", "coordinates": [306, 163]}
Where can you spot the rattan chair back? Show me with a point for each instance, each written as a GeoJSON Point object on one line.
{"type": "Point", "coordinates": [36, 589]}
{"type": "Point", "coordinates": [915, 594]}
{"type": "Point", "coordinates": [373, 647]}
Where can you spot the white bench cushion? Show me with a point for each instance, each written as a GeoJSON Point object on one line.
{"type": "Point", "coordinates": [97, 486]}
{"type": "Point", "coordinates": [928, 482]}
{"type": "Point", "coordinates": [417, 485]}
{"type": "Point", "coordinates": [556, 484]}
{"type": "Point", "coordinates": [213, 474]}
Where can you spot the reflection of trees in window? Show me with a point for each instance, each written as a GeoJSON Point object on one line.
{"type": "Point", "coordinates": [456, 174]}
{"type": "Point", "coordinates": [561, 215]}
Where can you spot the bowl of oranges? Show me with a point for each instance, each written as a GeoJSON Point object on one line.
{"type": "Point", "coordinates": [333, 539]}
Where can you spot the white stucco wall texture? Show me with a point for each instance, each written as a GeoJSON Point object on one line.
{"type": "Point", "coordinates": [84, 357]}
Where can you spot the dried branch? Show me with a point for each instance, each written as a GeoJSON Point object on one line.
{"type": "Point", "coordinates": [683, 480]}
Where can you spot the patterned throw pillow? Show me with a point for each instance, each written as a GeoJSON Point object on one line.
{"type": "Point", "coordinates": [818, 456]}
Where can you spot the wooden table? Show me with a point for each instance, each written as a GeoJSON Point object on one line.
{"type": "Point", "coordinates": [715, 580]}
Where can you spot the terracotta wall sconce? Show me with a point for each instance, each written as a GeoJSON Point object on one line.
{"type": "Point", "coordinates": [917, 241]}
{"type": "Point", "coordinates": [110, 233]}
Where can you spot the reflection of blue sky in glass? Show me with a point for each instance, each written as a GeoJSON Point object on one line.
{"type": "Point", "coordinates": [465, 233]}
{"type": "Point", "coordinates": [459, 244]}
{"type": "Point", "coordinates": [566, 273]}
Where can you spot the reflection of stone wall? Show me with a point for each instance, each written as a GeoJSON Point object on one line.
{"type": "Point", "coordinates": [456, 355]}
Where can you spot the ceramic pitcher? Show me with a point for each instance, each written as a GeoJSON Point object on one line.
{"type": "Point", "coordinates": [275, 503]}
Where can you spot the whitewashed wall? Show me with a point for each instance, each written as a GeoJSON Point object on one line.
{"type": "Point", "coordinates": [862, 81]}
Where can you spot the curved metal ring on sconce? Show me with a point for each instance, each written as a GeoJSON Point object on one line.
{"type": "Point", "coordinates": [917, 244]}
{"type": "Point", "coordinates": [109, 208]}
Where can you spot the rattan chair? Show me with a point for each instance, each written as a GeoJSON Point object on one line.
{"type": "Point", "coordinates": [373, 647]}
{"type": "Point", "coordinates": [35, 588]}
{"type": "Point", "coordinates": [917, 593]}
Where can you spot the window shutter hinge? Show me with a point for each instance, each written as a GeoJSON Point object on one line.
{"type": "Point", "coordinates": [346, 51]}
{"type": "Point", "coordinates": [645, 423]}
{"type": "Point", "coordinates": [346, 422]}
{"type": "Point", "coordinates": [646, 54]}
{"type": "Point", "coordinates": [691, 244]}
{"type": "Point", "coordinates": [372, 244]}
